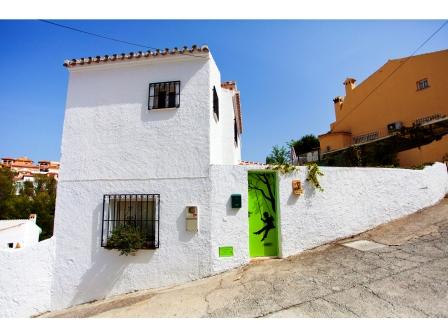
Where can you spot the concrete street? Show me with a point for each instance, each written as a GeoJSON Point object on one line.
{"type": "Point", "coordinates": [407, 277]}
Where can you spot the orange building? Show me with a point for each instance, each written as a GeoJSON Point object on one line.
{"type": "Point", "coordinates": [406, 92]}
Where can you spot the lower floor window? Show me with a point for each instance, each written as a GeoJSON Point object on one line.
{"type": "Point", "coordinates": [133, 217]}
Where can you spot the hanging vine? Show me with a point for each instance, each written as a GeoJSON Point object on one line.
{"type": "Point", "coordinates": [283, 168]}
{"type": "Point", "coordinates": [313, 173]}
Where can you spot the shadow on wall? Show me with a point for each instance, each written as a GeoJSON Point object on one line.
{"type": "Point", "coordinates": [107, 266]}
{"type": "Point", "coordinates": [157, 115]}
{"type": "Point", "coordinates": [184, 235]}
{"type": "Point", "coordinates": [292, 199]}
{"type": "Point", "coordinates": [309, 192]}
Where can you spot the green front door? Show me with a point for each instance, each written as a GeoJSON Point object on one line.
{"type": "Point", "coordinates": [263, 214]}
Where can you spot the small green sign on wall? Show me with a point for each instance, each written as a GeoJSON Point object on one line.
{"type": "Point", "coordinates": [226, 251]}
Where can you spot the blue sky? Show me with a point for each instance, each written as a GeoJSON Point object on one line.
{"type": "Point", "coordinates": [288, 72]}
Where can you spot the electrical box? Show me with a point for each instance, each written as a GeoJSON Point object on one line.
{"type": "Point", "coordinates": [236, 201]}
{"type": "Point", "coordinates": [191, 218]}
{"type": "Point", "coordinates": [226, 251]}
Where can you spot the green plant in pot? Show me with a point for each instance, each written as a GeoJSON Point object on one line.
{"type": "Point", "coordinates": [126, 238]}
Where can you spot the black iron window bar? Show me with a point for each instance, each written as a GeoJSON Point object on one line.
{"type": "Point", "coordinates": [164, 95]}
{"type": "Point", "coordinates": [140, 210]}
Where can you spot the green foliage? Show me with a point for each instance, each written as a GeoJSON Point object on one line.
{"type": "Point", "coordinates": [6, 191]}
{"type": "Point", "coordinates": [371, 155]}
{"type": "Point", "coordinates": [279, 156]}
{"type": "Point", "coordinates": [38, 198]}
{"type": "Point", "coordinates": [313, 173]}
{"type": "Point", "coordinates": [283, 168]}
{"type": "Point", "coordinates": [126, 238]}
{"type": "Point", "coordinates": [305, 144]}
{"type": "Point", "coordinates": [422, 166]}
{"type": "Point", "coordinates": [291, 143]}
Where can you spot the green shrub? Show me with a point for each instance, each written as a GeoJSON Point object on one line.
{"type": "Point", "coordinates": [126, 238]}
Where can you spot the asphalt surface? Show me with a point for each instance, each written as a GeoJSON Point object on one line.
{"type": "Point", "coordinates": [408, 277]}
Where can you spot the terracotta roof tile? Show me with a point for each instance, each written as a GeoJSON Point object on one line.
{"type": "Point", "coordinates": [251, 163]}
{"type": "Point", "coordinates": [135, 55]}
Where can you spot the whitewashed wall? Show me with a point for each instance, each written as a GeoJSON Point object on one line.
{"type": "Point", "coordinates": [26, 276]}
{"type": "Point", "coordinates": [222, 147]}
{"type": "Point", "coordinates": [216, 126]}
{"type": "Point", "coordinates": [87, 271]}
{"type": "Point", "coordinates": [109, 133]}
{"type": "Point", "coordinates": [353, 200]}
{"type": "Point", "coordinates": [23, 231]}
{"type": "Point", "coordinates": [231, 152]}
{"type": "Point", "coordinates": [229, 227]}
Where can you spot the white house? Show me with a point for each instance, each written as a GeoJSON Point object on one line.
{"type": "Point", "coordinates": [141, 131]}
{"type": "Point", "coordinates": [153, 139]}
{"type": "Point", "coordinates": [18, 233]}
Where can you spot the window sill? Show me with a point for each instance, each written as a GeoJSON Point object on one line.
{"type": "Point", "coordinates": [164, 109]}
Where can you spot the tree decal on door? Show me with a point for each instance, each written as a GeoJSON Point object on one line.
{"type": "Point", "coordinates": [262, 213]}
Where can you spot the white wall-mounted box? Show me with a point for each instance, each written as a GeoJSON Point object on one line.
{"type": "Point", "coordinates": [191, 218]}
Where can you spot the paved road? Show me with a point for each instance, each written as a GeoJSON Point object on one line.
{"type": "Point", "coordinates": [406, 278]}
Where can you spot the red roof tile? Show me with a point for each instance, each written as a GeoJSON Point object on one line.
{"type": "Point", "coordinates": [136, 55]}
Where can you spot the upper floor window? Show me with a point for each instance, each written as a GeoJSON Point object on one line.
{"type": "Point", "coordinates": [422, 84]}
{"type": "Point", "coordinates": [235, 132]}
{"type": "Point", "coordinates": [215, 103]}
{"type": "Point", "coordinates": [164, 95]}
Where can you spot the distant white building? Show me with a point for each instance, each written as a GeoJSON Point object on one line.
{"type": "Point", "coordinates": [18, 233]}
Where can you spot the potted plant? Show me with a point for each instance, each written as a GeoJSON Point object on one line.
{"type": "Point", "coordinates": [126, 238]}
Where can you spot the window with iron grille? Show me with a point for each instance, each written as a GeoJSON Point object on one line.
{"type": "Point", "coordinates": [235, 132]}
{"type": "Point", "coordinates": [141, 211]}
{"type": "Point", "coordinates": [422, 84]}
{"type": "Point", "coordinates": [215, 103]}
{"type": "Point", "coordinates": [164, 95]}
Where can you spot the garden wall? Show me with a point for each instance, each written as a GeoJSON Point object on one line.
{"type": "Point", "coordinates": [354, 200]}
{"type": "Point", "coordinates": [26, 276]}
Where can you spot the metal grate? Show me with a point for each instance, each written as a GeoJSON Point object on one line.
{"type": "Point", "coordinates": [365, 138]}
{"type": "Point", "coordinates": [164, 95]}
{"type": "Point", "coordinates": [140, 210]}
